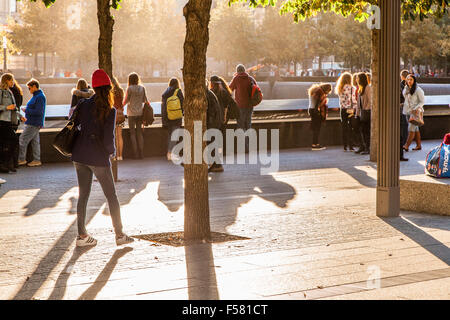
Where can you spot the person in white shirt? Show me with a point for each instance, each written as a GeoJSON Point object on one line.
{"type": "Point", "coordinates": [414, 102]}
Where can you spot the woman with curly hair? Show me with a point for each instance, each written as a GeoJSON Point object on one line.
{"type": "Point", "coordinates": [318, 106]}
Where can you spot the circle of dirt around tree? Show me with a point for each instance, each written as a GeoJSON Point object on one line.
{"type": "Point", "coordinates": [176, 239]}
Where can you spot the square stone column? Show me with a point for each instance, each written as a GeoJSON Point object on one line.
{"type": "Point", "coordinates": [388, 161]}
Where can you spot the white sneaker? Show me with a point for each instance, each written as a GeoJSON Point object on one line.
{"type": "Point", "coordinates": [88, 241]}
{"type": "Point", "coordinates": [2, 181]}
{"type": "Point", "coordinates": [124, 240]}
{"type": "Point", "coordinates": [119, 158]}
{"type": "Point", "coordinates": [34, 163]}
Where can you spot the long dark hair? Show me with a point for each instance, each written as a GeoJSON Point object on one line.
{"type": "Point", "coordinates": [103, 101]}
{"type": "Point", "coordinates": [363, 81]}
{"type": "Point", "coordinates": [216, 81]}
{"type": "Point", "coordinates": [412, 90]}
{"type": "Point", "coordinates": [16, 84]}
{"type": "Point", "coordinates": [174, 83]}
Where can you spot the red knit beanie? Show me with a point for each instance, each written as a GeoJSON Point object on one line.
{"type": "Point", "coordinates": [100, 78]}
{"type": "Point", "coordinates": [447, 138]}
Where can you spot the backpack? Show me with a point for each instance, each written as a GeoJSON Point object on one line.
{"type": "Point", "coordinates": [173, 104]}
{"type": "Point", "coordinates": [214, 112]}
{"type": "Point", "coordinates": [147, 115]}
{"type": "Point", "coordinates": [256, 95]}
{"type": "Point", "coordinates": [437, 160]}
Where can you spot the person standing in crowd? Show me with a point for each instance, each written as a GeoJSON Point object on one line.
{"type": "Point", "coordinates": [363, 110]}
{"type": "Point", "coordinates": [414, 101]}
{"type": "Point", "coordinates": [344, 90]}
{"type": "Point", "coordinates": [135, 97]}
{"type": "Point", "coordinates": [82, 91]}
{"type": "Point", "coordinates": [35, 115]}
{"type": "Point", "coordinates": [91, 156]}
{"type": "Point", "coordinates": [403, 120]}
{"type": "Point", "coordinates": [9, 119]}
{"type": "Point", "coordinates": [241, 85]}
{"type": "Point", "coordinates": [224, 96]}
{"type": "Point", "coordinates": [118, 94]}
{"type": "Point", "coordinates": [318, 105]}
{"type": "Point", "coordinates": [18, 97]}
{"type": "Point", "coordinates": [172, 111]}
{"type": "Point", "coordinates": [355, 121]}
{"type": "Point", "coordinates": [214, 120]}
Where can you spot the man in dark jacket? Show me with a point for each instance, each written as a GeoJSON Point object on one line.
{"type": "Point", "coordinates": [403, 120]}
{"type": "Point", "coordinates": [35, 114]}
{"type": "Point", "coordinates": [214, 120]}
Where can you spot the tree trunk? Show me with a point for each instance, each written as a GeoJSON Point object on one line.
{"type": "Point", "coordinates": [105, 23]}
{"type": "Point", "coordinates": [196, 201]}
{"type": "Point", "coordinates": [375, 88]}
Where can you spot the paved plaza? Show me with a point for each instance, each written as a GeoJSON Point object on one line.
{"type": "Point", "coordinates": [311, 228]}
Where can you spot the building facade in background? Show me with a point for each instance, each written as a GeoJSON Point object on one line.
{"type": "Point", "coordinates": [7, 8]}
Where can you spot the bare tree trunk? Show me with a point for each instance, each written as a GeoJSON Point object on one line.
{"type": "Point", "coordinates": [375, 88]}
{"type": "Point", "coordinates": [105, 23]}
{"type": "Point", "coordinates": [196, 200]}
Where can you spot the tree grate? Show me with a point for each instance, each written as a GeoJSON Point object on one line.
{"type": "Point", "coordinates": [176, 239]}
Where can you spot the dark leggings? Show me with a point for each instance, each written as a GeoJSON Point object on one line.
{"type": "Point", "coordinates": [8, 145]}
{"type": "Point", "coordinates": [403, 132]}
{"type": "Point", "coordinates": [105, 177]}
{"type": "Point", "coordinates": [136, 135]}
{"type": "Point", "coordinates": [346, 128]}
{"type": "Point", "coordinates": [316, 124]}
{"type": "Point", "coordinates": [365, 133]}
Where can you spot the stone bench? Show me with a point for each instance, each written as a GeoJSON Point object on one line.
{"type": "Point", "coordinates": [420, 192]}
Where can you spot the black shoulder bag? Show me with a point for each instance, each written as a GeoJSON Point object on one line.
{"type": "Point", "coordinates": [65, 139]}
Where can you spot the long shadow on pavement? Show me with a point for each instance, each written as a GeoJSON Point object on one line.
{"type": "Point", "coordinates": [104, 276]}
{"type": "Point", "coordinates": [426, 241]}
{"type": "Point", "coordinates": [226, 197]}
{"type": "Point", "coordinates": [51, 260]}
{"type": "Point", "coordinates": [56, 253]}
{"type": "Point", "coordinates": [61, 283]}
{"type": "Point", "coordinates": [201, 275]}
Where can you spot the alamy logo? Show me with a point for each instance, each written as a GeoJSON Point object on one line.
{"type": "Point", "coordinates": [374, 21]}
{"type": "Point", "coordinates": [373, 281]}
{"type": "Point", "coordinates": [213, 152]}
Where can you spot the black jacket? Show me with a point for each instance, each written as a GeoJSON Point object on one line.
{"type": "Point", "coordinates": [214, 113]}
{"type": "Point", "coordinates": [402, 87]}
{"type": "Point", "coordinates": [18, 97]}
{"type": "Point", "coordinates": [227, 103]}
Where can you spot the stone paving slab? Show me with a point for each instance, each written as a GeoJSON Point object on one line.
{"type": "Point", "coordinates": [312, 229]}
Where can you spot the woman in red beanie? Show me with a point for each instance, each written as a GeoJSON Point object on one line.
{"type": "Point", "coordinates": [91, 155]}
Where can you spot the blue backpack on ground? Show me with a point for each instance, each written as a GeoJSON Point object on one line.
{"type": "Point", "coordinates": [437, 162]}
